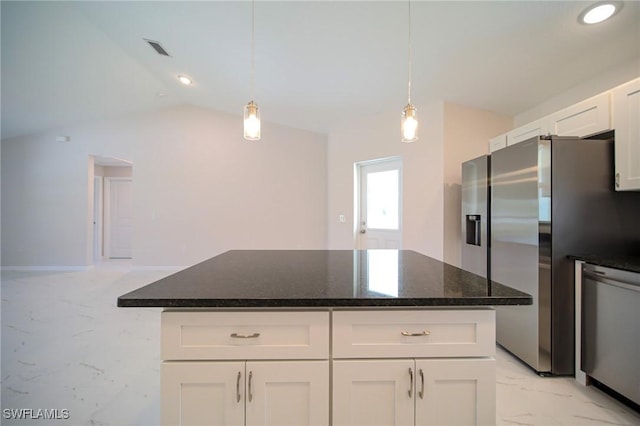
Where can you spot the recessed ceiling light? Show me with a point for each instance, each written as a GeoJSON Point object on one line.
{"type": "Point", "coordinates": [599, 12]}
{"type": "Point", "coordinates": [184, 80]}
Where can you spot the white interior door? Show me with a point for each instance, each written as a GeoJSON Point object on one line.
{"type": "Point", "coordinates": [118, 217]}
{"type": "Point", "coordinates": [97, 217]}
{"type": "Point", "coordinates": [380, 206]}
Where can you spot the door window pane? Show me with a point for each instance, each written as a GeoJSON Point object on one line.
{"type": "Point", "coordinates": [382, 200]}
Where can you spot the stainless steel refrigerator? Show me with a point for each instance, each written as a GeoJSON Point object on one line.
{"type": "Point", "coordinates": [550, 197]}
{"type": "Point", "coordinates": [476, 208]}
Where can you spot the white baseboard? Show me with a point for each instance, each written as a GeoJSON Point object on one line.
{"type": "Point", "coordinates": [51, 268]}
{"type": "Point", "coordinates": [158, 268]}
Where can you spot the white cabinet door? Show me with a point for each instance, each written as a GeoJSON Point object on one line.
{"type": "Point", "coordinates": [202, 393]}
{"type": "Point", "coordinates": [455, 392]}
{"type": "Point", "coordinates": [585, 118]}
{"type": "Point", "coordinates": [626, 122]}
{"type": "Point", "coordinates": [287, 393]}
{"type": "Point", "coordinates": [498, 142]}
{"type": "Point", "coordinates": [373, 393]}
{"type": "Point", "coordinates": [528, 131]}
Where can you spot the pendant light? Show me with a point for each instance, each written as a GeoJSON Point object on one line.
{"type": "Point", "coordinates": [409, 123]}
{"type": "Point", "coordinates": [251, 110]}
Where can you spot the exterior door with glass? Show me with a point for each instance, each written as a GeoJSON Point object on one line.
{"type": "Point", "coordinates": [380, 215]}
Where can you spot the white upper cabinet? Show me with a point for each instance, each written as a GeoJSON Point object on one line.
{"type": "Point", "coordinates": [528, 131]}
{"type": "Point", "coordinates": [626, 122]}
{"type": "Point", "coordinates": [615, 109]}
{"type": "Point", "coordinates": [585, 118]}
{"type": "Point", "coordinates": [498, 142]}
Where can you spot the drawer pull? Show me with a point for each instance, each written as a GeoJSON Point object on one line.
{"type": "Point", "coordinates": [250, 392]}
{"type": "Point", "coordinates": [422, 333]}
{"type": "Point", "coordinates": [238, 388]}
{"type": "Point", "coordinates": [410, 382]}
{"type": "Point", "coordinates": [421, 393]}
{"type": "Point", "coordinates": [245, 336]}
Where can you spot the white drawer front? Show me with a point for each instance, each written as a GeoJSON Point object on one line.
{"type": "Point", "coordinates": [401, 334]}
{"type": "Point", "coordinates": [245, 335]}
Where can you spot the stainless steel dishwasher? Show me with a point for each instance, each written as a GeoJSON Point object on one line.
{"type": "Point", "coordinates": [611, 328]}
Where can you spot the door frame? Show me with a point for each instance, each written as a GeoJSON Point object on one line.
{"type": "Point", "coordinates": [98, 218]}
{"type": "Point", "coordinates": [358, 196]}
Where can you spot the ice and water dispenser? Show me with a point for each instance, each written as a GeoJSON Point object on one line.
{"type": "Point", "coordinates": [474, 229]}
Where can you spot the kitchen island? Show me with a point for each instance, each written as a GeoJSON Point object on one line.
{"type": "Point", "coordinates": [318, 337]}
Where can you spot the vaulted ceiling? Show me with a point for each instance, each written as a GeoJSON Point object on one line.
{"type": "Point", "coordinates": [317, 63]}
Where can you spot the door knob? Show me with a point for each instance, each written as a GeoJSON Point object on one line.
{"type": "Point", "coordinates": [363, 231]}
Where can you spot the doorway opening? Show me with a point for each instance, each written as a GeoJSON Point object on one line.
{"type": "Point", "coordinates": [379, 204]}
{"type": "Point", "coordinates": [112, 212]}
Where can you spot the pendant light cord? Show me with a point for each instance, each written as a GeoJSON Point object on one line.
{"type": "Point", "coordinates": [253, 47]}
{"type": "Point", "coordinates": [410, 56]}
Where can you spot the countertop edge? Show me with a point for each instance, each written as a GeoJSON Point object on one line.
{"type": "Point", "coordinates": [322, 303]}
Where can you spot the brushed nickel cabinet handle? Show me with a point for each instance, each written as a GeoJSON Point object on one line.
{"type": "Point", "coordinates": [238, 387]}
{"type": "Point", "coordinates": [250, 392]}
{"type": "Point", "coordinates": [421, 333]}
{"type": "Point", "coordinates": [421, 393]}
{"type": "Point", "coordinates": [245, 336]}
{"type": "Point", "coordinates": [410, 382]}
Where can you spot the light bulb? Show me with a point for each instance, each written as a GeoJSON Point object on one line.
{"type": "Point", "coordinates": [409, 124]}
{"type": "Point", "coordinates": [409, 129]}
{"type": "Point", "coordinates": [252, 127]}
{"type": "Point", "coordinates": [251, 122]}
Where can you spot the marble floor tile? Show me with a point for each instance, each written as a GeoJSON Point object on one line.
{"type": "Point", "coordinates": [524, 398]}
{"type": "Point", "coordinates": [66, 346]}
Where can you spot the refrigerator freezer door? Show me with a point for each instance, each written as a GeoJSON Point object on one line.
{"type": "Point", "coordinates": [475, 215]}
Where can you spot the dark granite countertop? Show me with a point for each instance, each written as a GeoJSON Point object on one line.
{"type": "Point", "coordinates": [322, 278]}
{"type": "Point", "coordinates": [626, 263]}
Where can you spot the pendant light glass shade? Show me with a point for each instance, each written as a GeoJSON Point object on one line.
{"type": "Point", "coordinates": [251, 122]}
{"type": "Point", "coordinates": [409, 125]}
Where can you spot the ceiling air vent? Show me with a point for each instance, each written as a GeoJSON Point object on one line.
{"type": "Point", "coordinates": [157, 47]}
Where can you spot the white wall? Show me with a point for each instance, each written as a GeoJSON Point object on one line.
{"type": "Point", "coordinates": [199, 189]}
{"type": "Point", "coordinates": [44, 202]}
{"type": "Point", "coordinates": [376, 137]}
{"type": "Point", "coordinates": [466, 134]}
